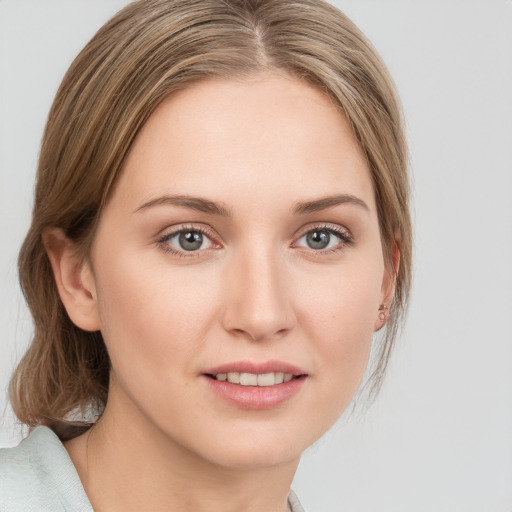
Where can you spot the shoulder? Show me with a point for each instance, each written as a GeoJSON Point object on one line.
{"type": "Point", "coordinates": [39, 475]}
{"type": "Point", "coordinates": [294, 504]}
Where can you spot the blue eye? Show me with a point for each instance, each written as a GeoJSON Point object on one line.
{"type": "Point", "coordinates": [320, 239]}
{"type": "Point", "coordinates": [189, 240]}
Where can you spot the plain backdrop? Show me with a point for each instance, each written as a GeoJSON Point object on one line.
{"type": "Point", "coordinates": [439, 437]}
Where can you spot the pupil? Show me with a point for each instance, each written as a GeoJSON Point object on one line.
{"type": "Point", "coordinates": [191, 240]}
{"type": "Point", "coordinates": [318, 239]}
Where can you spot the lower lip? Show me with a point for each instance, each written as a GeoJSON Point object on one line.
{"type": "Point", "coordinates": [256, 397]}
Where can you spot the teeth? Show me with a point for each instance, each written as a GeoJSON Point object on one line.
{"type": "Point", "coordinates": [266, 379]}
{"type": "Point", "coordinates": [234, 377]}
{"type": "Point", "coordinates": [248, 379]}
{"type": "Point", "coordinates": [252, 379]}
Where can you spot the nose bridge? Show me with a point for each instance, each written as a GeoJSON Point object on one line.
{"type": "Point", "coordinates": [258, 297]}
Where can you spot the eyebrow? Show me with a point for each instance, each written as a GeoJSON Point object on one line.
{"type": "Point", "coordinates": [194, 203]}
{"type": "Point", "coordinates": [210, 207]}
{"type": "Point", "coordinates": [324, 203]}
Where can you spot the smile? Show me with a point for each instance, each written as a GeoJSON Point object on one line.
{"type": "Point", "coordinates": [254, 379]}
{"type": "Point", "coordinates": [256, 386]}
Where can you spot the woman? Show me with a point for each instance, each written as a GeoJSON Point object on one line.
{"type": "Point", "coordinates": [220, 225]}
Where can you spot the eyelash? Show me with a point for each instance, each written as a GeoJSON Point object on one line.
{"type": "Point", "coordinates": [345, 237]}
{"type": "Point", "coordinates": [167, 248]}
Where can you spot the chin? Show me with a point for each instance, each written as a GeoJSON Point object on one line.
{"type": "Point", "coordinates": [256, 457]}
{"type": "Point", "coordinates": [259, 449]}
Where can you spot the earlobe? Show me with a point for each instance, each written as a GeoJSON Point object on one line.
{"type": "Point", "coordinates": [74, 279]}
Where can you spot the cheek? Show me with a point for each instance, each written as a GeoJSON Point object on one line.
{"type": "Point", "coordinates": [339, 313]}
{"type": "Point", "coordinates": [149, 317]}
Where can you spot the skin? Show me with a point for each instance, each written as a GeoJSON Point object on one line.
{"type": "Point", "coordinates": [255, 291]}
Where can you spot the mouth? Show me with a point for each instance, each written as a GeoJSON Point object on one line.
{"type": "Point", "coordinates": [249, 385]}
{"type": "Point", "coordinates": [254, 379]}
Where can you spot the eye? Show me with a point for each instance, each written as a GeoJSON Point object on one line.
{"type": "Point", "coordinates": [325, 238]}
{"type": "Point", "coordinates": [186, 240]}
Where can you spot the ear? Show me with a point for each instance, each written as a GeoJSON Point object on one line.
{"type": "Point", "coordinates": [388, 286]}
{"type": "Point", "coordinates": [74, 278]}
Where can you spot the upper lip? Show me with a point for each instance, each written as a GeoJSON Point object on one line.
{"type": "Point", "coordinates": [256, 368]}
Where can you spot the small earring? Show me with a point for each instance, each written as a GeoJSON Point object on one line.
{"type": "Point", "coordinates": [383, 312]}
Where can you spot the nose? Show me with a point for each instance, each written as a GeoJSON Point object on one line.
{"type": "Point", "coordinates": [258, 299]}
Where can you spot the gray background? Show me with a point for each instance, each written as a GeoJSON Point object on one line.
{"type": "Point", "coordinates": [439, 437]}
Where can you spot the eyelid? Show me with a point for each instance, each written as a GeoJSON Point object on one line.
{"type": "Point", "coordinates": [344, 234]}
{"type": "Point", "coordinates": [170, 232]}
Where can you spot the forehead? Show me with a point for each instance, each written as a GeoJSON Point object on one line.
{"type": "Point", "coordinates": [227, 138]}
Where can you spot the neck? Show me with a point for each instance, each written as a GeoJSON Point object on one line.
{"type": "Point", "coordinates": [133, 465]}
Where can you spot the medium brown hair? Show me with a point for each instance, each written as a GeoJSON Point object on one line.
{"type": "Point", "coordinates": [147, 51]}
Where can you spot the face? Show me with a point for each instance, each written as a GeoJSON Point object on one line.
{"type": "Point", "coordinates": [237, 271]}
